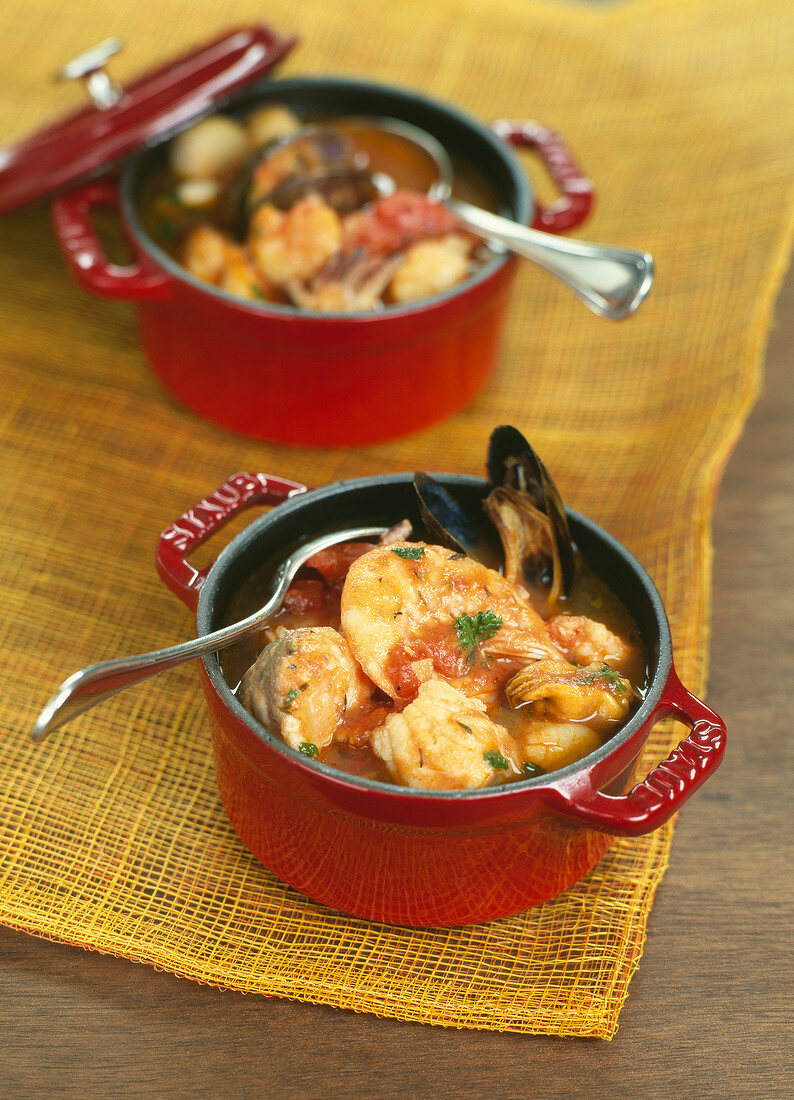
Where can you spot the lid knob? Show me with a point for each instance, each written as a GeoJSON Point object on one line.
{"type": "Point", "coordinates": [89, 67]}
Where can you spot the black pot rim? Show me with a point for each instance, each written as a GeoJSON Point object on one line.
{"type": "Point", "coordinates": [523, 205]}
{"type": "Point", "coordinates": [206, 610]}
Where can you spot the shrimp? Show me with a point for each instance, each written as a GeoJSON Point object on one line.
{"type": "Point", "coordinates": [302, 684]}
{"type": "Point", "coordinates": [553, 745]}
{"type": "Point", "coordinates": [215, 258]}
{"type": "Point", "coordinates": [429, 267]}
{"type": "Point", "coordinates": [206, 253]}
{"type": "Point", "coordinates": [444, 740]}
{"type": "Point", "coordinates": [584, 640]}
{"type": "Point", "coordinates": [410, 602]}
{"type": "Point", "coordinates": [295, 245]}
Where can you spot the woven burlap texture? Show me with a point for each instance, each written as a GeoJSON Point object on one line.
{"type": "Point", "coordinates": [111, 834]}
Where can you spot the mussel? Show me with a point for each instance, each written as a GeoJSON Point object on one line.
{"type": "Point", "coordinates": [314, 159]}
{"type": "Point", "coordinates": [307, 157]}
{"type": "Point", "coordinates": [524, 509]}
{"type": "Point", "coordinates": [448, 524]}
{"type": "Point", "coordinates": [529, 514]}
{"type": "Point", "coordinates": [345, 189]}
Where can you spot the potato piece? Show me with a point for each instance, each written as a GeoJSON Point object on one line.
{"type": "Point", "coordinates": [198, 194]}
{"type": "Point", "coordinates": [554, 745]}
{"type": "Point", "coordinates": [265, 124]}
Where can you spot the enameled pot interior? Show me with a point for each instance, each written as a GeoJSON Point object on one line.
{"type": "Point", "coordinates": [385, 501]}
{"type": "Point", "coordinates": [464, 138]}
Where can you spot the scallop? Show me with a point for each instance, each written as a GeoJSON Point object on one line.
{"type": "Point", "coordinates": [212, 149]}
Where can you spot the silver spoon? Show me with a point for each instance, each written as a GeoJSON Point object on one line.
{"type": "Point", "coordinates": [612, 282]}
{"type": "Point", "coordinates": [84, 689]}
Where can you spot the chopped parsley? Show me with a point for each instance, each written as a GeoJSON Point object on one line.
{"type": "Point", "coordinates": [174, 199]}
{"type": "Point", "coordinates": [258, 292]}
{"type": "Point", "coordinates": [166, 230]}
{"type": "Point", "coordinates": [308, 748]}
{"type": "Point", "coordinates": [530, 769]}
{"type": "Point", "coordinates": [495, 759]}
{"type": "Point", "coordinates": [613, 678]}
{"type": "Point", "coordinates": [290, 698]}
{"type": "Point", "coordinates": [413, 553]}
{"type": "Point", "coordinates": [473, 629]}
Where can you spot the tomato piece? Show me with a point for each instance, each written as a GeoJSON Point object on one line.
{"type": "Point", "coordinates": [305, 596]}
{"type": "Point", "coordinates": [397, 221]}
{"type": "Point", "coordinates": [334, 562]}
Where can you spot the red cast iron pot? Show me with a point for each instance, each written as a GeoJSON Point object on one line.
{"type": "Point", "coordinates": [276, 373]}
{"type": "Point", "coordinates": [410, 857]}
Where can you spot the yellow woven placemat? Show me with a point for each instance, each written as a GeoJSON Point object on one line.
{"type": "Point", "coordinates": [111, 835]}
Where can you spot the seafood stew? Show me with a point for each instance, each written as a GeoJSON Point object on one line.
{"type": "Point", "coordinates": [411, 663]}
{"type": "Point", "coordinates": [411, 856]}
{"type": "Point", "coordinates": [270, 209]}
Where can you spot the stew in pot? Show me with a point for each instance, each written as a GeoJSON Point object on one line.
{"type": "Point", "coordinates": [271, 209]}
{"type": "Point", "coordinates": [411, 663]}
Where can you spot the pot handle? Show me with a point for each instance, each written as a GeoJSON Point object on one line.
{"type": "Point", "coordinates": [141, 280]}
{"type": "Point", "coordinates": [195, 526]}
{"type": "Point", "coordinates": [574, 205]}
{"type": "Point", "coordinates": [668, 786]}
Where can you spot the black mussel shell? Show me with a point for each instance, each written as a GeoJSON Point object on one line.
{"type": "Point", "coordinates": [447, 524]}
{"type": "Point", "coordinates": [345, 189]}
{"type": "Point", "coordinates": [512, 462]}
{"type": "Point", "coordinates": [320, 152]}
{"type": "Point", "coordinates": [312, 151]}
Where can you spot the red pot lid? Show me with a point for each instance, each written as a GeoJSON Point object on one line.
{"type": "Point", "coordinates": [123, 120]}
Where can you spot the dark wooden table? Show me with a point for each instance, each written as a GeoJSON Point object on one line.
{"type": "Point", "coordinates": [709, 1012]}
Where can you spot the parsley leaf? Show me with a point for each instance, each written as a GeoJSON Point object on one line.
{"type": "Point", "coordinates": [413, 553]}
{"type": "Point", "coordinates": [473, 629]}
{"type": "Point", "coordinates": [606, 673]}
{"type": "Point", "coordinates": [308, 748]}
{"type": "Point", "coordinates": [290, 698]}
{"type": "Point", "coordinates": [166, 230]}
{"type": "Point", "coordinates": [495, 759]}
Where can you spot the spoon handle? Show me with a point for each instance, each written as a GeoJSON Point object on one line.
{"type": "Point", "coordinates": [612, 282]}
{"type": "Point", "coordinates": [84, 689]}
